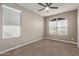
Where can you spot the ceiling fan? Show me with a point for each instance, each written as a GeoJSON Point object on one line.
{"type": "Point", "coordinates": [47, 6]}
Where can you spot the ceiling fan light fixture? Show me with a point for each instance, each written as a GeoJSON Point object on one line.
{"type": "Point", "coordinates": [47, 8]}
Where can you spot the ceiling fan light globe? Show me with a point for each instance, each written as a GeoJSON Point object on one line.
{"type": "Point", "coordinates": [47, 8]}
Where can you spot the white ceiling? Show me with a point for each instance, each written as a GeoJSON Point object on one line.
{"type": "Point", "coordinates": [63, 7]}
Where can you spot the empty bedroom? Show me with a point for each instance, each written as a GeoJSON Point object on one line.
{"type": "Point", "coordinates": [39, 29]}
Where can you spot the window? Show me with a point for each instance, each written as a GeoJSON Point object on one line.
{"type": "Point", "coordinates": [11, 19]}
{"type": "Point", "coordinates": [52, 26]}
{"type": "Point", "coordinates": [58, 26]}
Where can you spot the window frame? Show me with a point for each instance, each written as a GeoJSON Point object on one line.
{"type": "Point", "coordinates": [57, 33]}
{"type": "Point", "coordinates": [16, 10]}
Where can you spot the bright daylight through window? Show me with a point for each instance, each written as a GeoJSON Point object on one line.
{"type": "Point", "coordinates": [58, 26]}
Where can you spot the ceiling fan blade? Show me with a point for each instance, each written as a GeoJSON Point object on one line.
{"type": "Point", "coordinates": [41, 4]}
{"type": "Point", "coordinates": [54, 7]}
{"type": "Point", "coordinates": [50, 4]}
{"type": "Point", "coordinates": [41, 9]}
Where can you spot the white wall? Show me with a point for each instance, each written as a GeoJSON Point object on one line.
{"type": "Point", "coordinates": [0, 20]}
{"type": "Point", "coordinates": [32, 29]}
{"type": "Point", "coordinates": [78, 27]}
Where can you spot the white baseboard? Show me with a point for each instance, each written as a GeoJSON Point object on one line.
{"type": "Point", "coordinates": [61, 40]}
{"type": "Point", "coordinates": [4, 51]}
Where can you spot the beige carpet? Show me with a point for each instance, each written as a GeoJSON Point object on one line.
{"type": "Point", "coordinates": [45, 48]}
